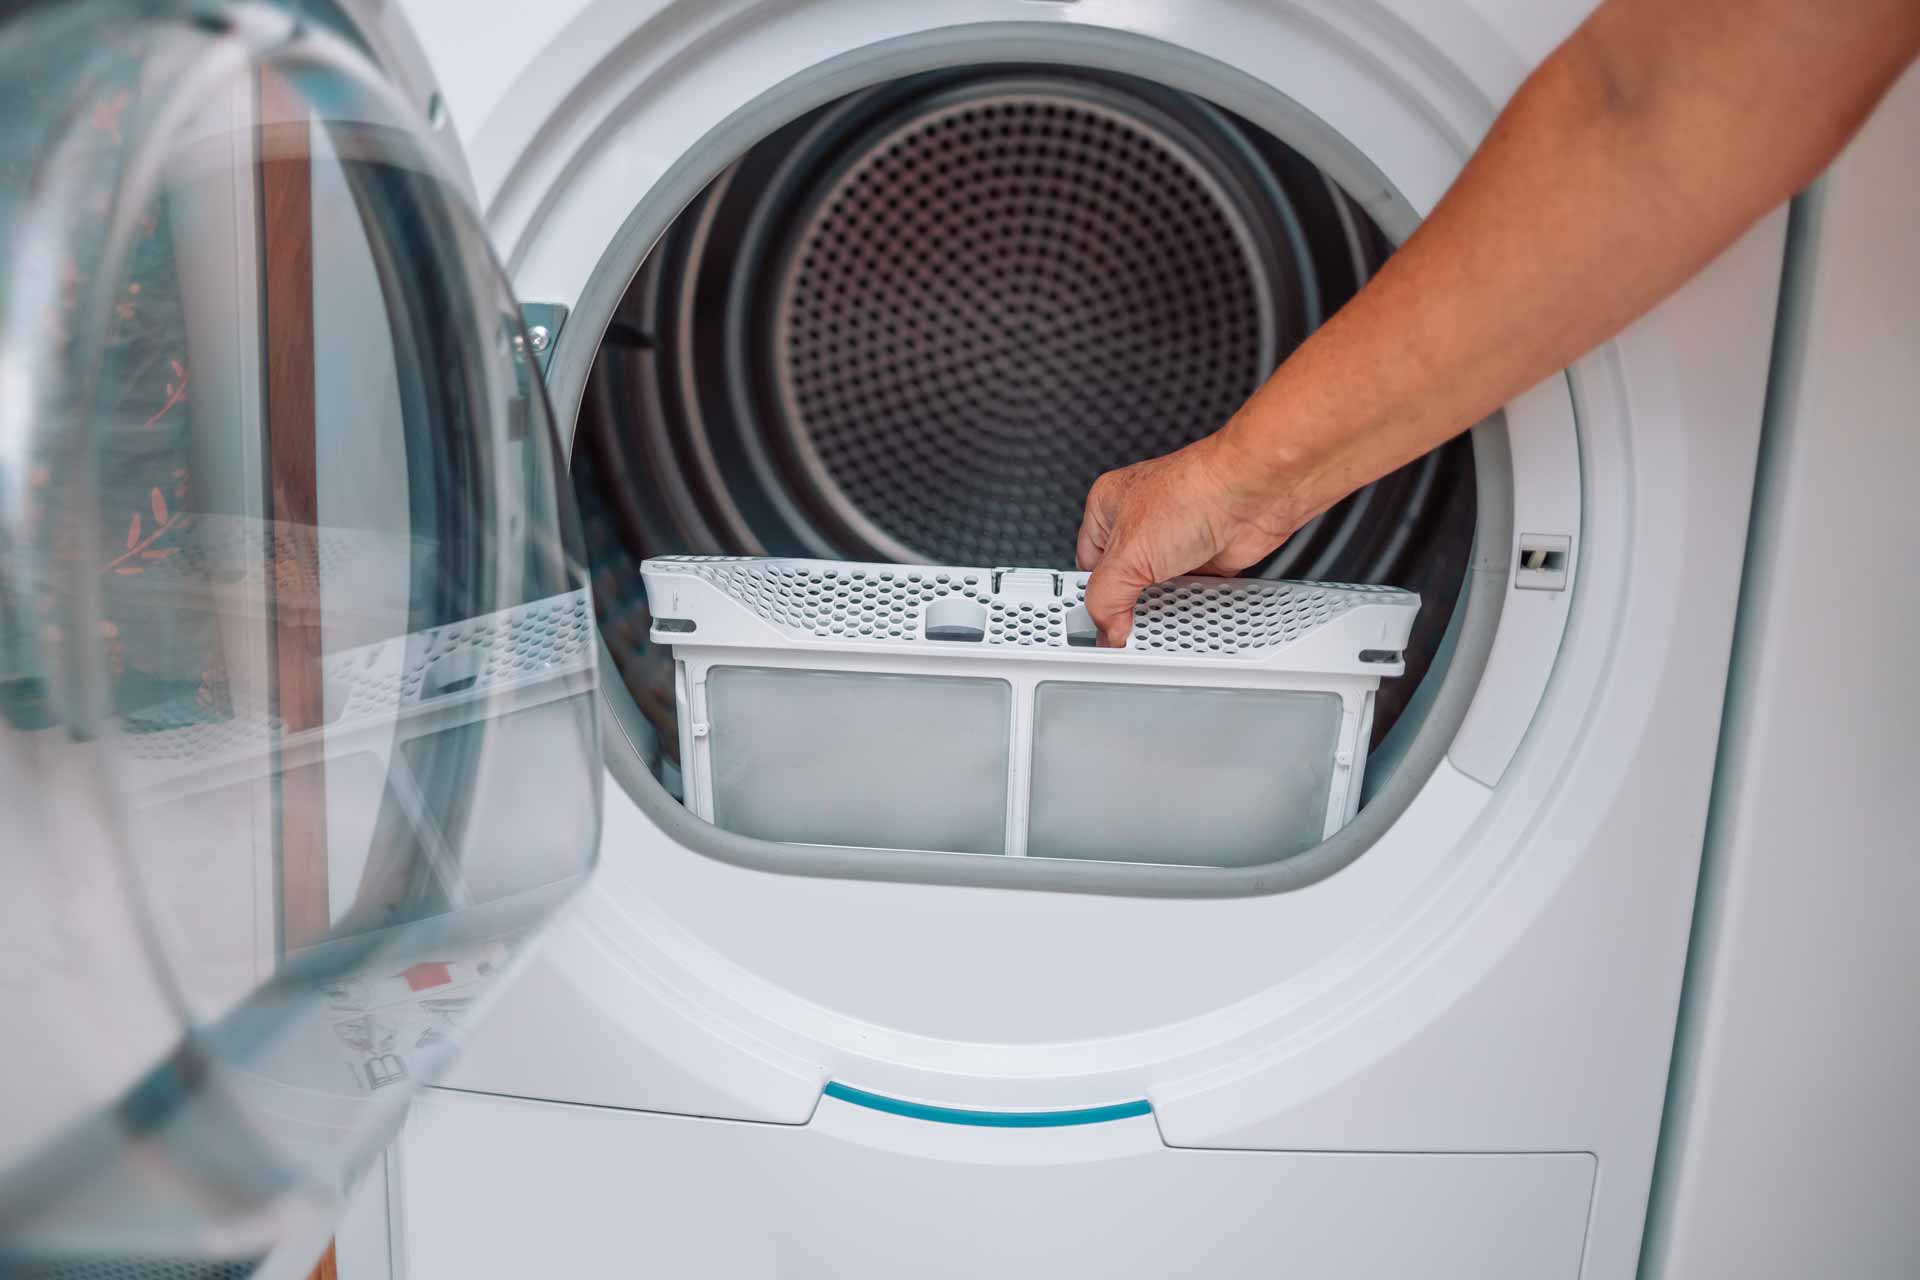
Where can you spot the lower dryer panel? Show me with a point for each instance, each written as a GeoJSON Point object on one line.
{"type": "Point", "coordinates": [505, 1187]}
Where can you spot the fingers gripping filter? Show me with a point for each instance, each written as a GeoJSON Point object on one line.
{"type": "Point", "coordinates": [965, 710]}
{"type": "Point", "coordinates": [1004, 291]}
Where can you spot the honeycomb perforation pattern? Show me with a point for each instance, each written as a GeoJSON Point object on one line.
{"type": "Point", "coordinates": [855, 602]}
{"type": "Point", "coordinates": [1003, 298]}
{"type": "Point", "coordinates": [516, 644]}
{"type": "Point", "coordinates": [180, 730]}
{"type": "Point", "coordinates": [885, 603]}
{"type": "Point", "coordinates": [376, 681]}
{"type": "Point", "coordinates": [1240, 616]}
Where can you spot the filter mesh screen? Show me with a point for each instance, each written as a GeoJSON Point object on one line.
{"type": "Point", "coordinates": [1001, 295]}
{"type": "Point", "coordinates": [1251, 769]}
{"type": "Point", "coordinates": [853, 758]}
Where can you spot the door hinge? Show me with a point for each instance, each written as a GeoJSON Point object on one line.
{"type": "Point", "coordinates": [542, 321]}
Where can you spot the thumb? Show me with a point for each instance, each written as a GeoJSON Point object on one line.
{"type": "Point", "coordinates": [1115, 585]}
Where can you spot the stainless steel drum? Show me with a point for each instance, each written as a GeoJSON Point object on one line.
{"type": "Point", "coordinates": [1005, 288]}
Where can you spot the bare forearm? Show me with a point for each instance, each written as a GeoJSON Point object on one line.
{"type": "Point", "coordinates": [1643, 147]}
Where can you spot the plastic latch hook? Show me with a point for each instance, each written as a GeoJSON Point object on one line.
{"type": "Point", "coordinates": [1026, 584]}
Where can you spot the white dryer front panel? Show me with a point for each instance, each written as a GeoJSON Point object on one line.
{"type": "Point", "coordinates": [1497, 972]}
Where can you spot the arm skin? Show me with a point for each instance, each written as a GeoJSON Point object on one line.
{"type": "Point", "coordinates": [1643, 146]}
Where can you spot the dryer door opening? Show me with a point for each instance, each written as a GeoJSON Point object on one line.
{"type": "Point", "coordinates": [916, 323]}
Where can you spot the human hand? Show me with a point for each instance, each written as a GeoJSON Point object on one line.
{"type": "Point", "coordinates": [1201, 509]}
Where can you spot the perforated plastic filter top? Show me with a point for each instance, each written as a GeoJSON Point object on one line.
{"type": "Point", "coordinates": [1002, 293]}
{"type": "Point", "coordinates": [1020, 608]}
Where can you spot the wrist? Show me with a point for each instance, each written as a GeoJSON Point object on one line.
{"type": "Point", "coordinates": [1279, 470]}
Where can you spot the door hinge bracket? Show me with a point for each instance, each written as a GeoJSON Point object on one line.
{"type": "Point", "coordinates": [542, 321]}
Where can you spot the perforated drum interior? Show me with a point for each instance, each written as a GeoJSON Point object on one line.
{"type": "Point", "coordinates": [1008, 288]}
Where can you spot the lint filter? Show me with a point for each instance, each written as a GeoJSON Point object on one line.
{"type": "Point", "coordinates": [965, 710]}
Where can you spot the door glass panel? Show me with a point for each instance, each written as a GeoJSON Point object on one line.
{"type": "Point", "coordinates": [297, 735]}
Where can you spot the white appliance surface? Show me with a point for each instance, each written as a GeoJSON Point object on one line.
{"type": "Point", "coordinates": [1457, 1046]}
{"type": "Point", "coordinates": [1792, 1146]}
{"type": "Point", "coordinates": [860, 1193]}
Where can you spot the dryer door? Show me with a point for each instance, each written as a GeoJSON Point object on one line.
{"type": "Point", "coordinates": [297, 724]}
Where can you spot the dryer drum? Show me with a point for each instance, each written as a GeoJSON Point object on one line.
{"type": "Point", "coordinates": [1005, 288]}
{"type": "Point", "coordinates": [917, 323]}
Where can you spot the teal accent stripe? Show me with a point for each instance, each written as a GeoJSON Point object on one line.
{"type": "Point", "coordinates": [988, 1119]}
